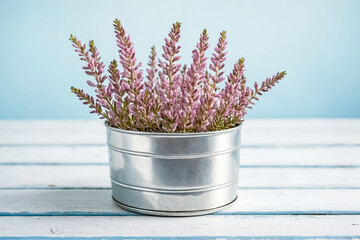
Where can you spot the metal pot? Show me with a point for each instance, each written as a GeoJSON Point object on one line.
{"type": "Point", "coordinates": [174, 174]}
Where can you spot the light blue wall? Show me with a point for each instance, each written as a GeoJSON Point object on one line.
{"type": "Point", "coordinates": [316, 42]}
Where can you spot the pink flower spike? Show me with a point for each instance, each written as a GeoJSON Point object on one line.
{"type": "Point", "coordinates": [174, 97]}
{"type": "Point", "coordinates": [169, 79]}
{"type": "Point", "coordinates": [195, 77]}
{"type": "Point", "coordinates": [90, 83]}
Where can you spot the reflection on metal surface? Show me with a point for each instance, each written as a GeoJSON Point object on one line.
{"type": "Point", "coordinates": [181, 174]}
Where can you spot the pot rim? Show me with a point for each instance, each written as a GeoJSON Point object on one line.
{"type": "Point", "coordinates": [173, 134]}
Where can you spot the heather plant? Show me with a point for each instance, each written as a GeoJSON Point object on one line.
{"type": "Point", "coordinates": [175, 97]}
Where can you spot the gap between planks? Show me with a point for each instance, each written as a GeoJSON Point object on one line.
{"type": "Point", "coordinates": [96, 202]}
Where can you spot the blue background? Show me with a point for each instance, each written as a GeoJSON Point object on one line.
{"type": "Point", "coordinates": [316, 42]}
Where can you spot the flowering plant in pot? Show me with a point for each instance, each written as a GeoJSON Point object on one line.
{"type": "Point", "coordinates": [173, 139]}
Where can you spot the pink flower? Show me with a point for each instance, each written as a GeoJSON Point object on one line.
{"type": "Point", "coordinates": [191, 88]}
{"type": "Point", "coordinates": [170, 100]}
{"type": "Point", "coordinates": [169, 80]}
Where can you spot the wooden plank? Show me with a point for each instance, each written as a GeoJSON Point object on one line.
{"type": "Point", "coordinates": [263, 227]}
{"type": "Point", "coordinates": [276, 157]}
{"type": "Point", "coordinates": [98, 176]}
{"type": "Point", "coordinates": [266, 132]}
{"type": "Point", "coordinates": [316, 156]}
{"type": "Point", "coordinates": [74, 202]}
{"type": "Point", "coordinates": [307, 132]}
{"type": "Point", "coordinates": [54, 154]}
{"type": "Point", "coordinates": [52, 132]}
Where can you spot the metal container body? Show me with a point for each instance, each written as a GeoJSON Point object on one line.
{"type": "Point", "coordinates": [174, 174]}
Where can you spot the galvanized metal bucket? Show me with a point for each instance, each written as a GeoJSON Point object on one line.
{"type": "Point", "coordinates": [174, 174]}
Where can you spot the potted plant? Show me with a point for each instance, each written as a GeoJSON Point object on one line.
{"type": "Point", "coordinates": [173, 139]}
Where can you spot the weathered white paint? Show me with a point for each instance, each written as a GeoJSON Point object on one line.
{"type": "Point", "coordinates": [52, 132]}
{"type": "Point", "coordinates": [255, 132]}
{"type": "Point", "coordinates": [314, 156]}
{"type": "Point", "coordinates": [211, 225]}
{"type": "Point", "coordinates": [64, 154]}
{"type": "Point", "coordinates": [98, 176]}
{"type": "Point", "coordinates": [301, 131]}
{"type": "Point", "coordinates": [250, 201]}
{"type": "Point", "coordinates": [300, 143]}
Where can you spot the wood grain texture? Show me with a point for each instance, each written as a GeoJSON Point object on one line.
{"type": "Point", "coordinates": [74, 202]}
{"type": "Point", "coordinates": [212, 225]}
{"type": "Point", "coordinates": [98, 176]}
{"type": "Point", "coordinates": [338, 156]}
{"type": "Point", "coordinates": [255, 132]}
{"type": "Point", "coordinates": [299, 179]}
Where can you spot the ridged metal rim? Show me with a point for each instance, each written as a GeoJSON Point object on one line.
{"type": "Point", "coordinates": [161, 134]}
{"type": "Point", "coordinates": [174, 213]}
{"type": "Point", "coordinates": [175, 190]}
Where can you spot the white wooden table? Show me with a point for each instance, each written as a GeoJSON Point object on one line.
{"type": "Point", "coordinates": [299, 179]}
